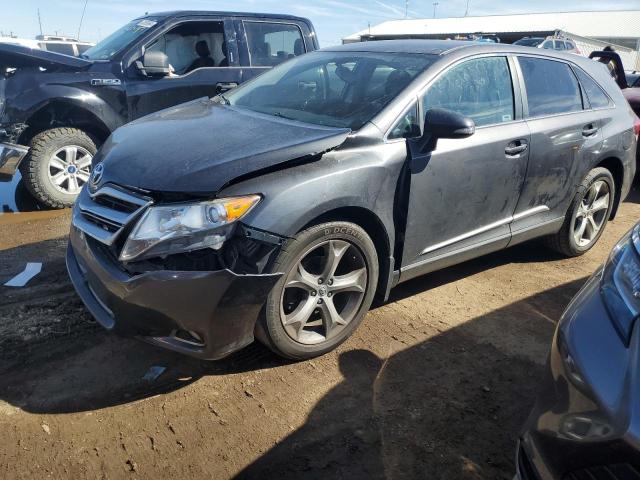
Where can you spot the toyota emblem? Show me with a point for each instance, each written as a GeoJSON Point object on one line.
{"type": "Point", "coordinates": [96, 175]}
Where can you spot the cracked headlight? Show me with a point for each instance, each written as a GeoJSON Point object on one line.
{"type": "Point", "coordinates": [620, 285]}
{"type": "Point", "coordinates": [182, 227]}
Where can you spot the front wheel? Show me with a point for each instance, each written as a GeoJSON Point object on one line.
{"type": "Point", "coordinates": [58, 165]}
{"type": "Point", "coordinates": [330, 277]}
{"type": "Point", "coordinates": [587, 215]}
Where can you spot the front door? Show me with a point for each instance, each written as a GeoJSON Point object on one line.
{"type": "Point", "coordinates": [465, 191]}
{"type": "Point", "coordinates": [204, 62]}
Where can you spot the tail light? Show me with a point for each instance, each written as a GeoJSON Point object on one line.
{"type": "Point", "coordinates": [636, 126]}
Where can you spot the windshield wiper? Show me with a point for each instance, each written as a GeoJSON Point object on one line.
{"type": "Point", "coordinates": [225, 101]}
{"type": "Point", "coordinates": [278, 114]}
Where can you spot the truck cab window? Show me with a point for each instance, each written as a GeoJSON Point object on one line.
{"type": "Point", "coordinates": [273, 43]}
{"type": "Point", "coordinates": [193, 45]}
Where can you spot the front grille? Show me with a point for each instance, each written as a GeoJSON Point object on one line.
{"type": "Point", "coordinates": [103, 215]}
{"type": "Point", "coordinates": [619, 471]}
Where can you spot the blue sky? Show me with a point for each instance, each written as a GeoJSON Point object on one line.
{"type": "Point", "coordinates": [333, 19]}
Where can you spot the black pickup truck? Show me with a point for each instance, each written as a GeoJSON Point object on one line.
{"type": "Point", "coordinates": [56, 110]}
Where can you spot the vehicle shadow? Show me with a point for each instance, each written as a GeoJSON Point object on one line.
{"type": "Point", "coordinates": [449, 407]}
{"type": "Point", "coordinates": [634, 194]}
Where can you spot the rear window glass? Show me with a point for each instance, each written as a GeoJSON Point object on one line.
{"type": "Point", "coordinates": [273, 43]}
{"type": "Point", "coordinates": [552, 88]}
{"type": "Point", "coordinates": [596, 96]}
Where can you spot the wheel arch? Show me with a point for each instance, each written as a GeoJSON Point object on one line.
{"type": "Point", "coordinates": [374, 227]}
{"type": "Point", "coordinates": [60, 113]}
{"type": "Point", "coordinates": [616, 168]}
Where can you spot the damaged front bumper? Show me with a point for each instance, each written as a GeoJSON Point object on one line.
{"type": "Point", "coordinates": [205, 314]}
{"type": "Point", "coordinates": [10, 157]}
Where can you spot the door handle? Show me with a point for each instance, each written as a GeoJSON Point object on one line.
{"type": "Point", "coordinates": [515, 148]}
{"type": "Point", "coordinates": [589, 130]}
{"type": "Point", "coordinates": [224, 86]}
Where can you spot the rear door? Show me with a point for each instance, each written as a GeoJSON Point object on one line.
{"type": "Point", "coordinates": [565, 138]}
{"type": "Point", "coordinates": [464, 193]}
{"type": "Point", "coordinates": [263, 44]}
{"type": "Point", "coordinates": [187, 82]}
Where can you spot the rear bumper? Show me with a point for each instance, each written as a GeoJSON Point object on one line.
{"type": "Point", "coordinates": [10, 157]}
{"type": "Point", "coordinates": [220, 307]}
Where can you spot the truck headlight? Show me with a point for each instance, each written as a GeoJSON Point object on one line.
{"type": "Point", "coordinates": [620, 286]}
{"type": "Point", "coordinates": [182, 227]}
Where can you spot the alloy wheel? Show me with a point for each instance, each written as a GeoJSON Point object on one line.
{"type": "Point", "coordinates": [69, 168]}
{"type": "Point", "coordinates": [592, 213]}
{"type": "Point", "coordinates": [323, 292]}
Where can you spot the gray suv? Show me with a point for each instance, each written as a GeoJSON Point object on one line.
{"type": "Point", "coordinates": [279, 209]}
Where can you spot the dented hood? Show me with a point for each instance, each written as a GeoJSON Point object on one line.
{"type": "Point", "coordinates": [18, 56]}
{"type": "Point", "coordinates": [199, 147]}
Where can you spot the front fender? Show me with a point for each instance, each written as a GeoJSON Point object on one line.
{"type": "Point", "coordinates": [25, 102]}
{"type": "Point", "coordinates": [364, 178]}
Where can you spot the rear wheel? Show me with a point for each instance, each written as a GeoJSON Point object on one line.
{"type": "Point", "coordinates": [587, 215]}
{"type": "Point", "coordinates": [58, 165]}
{"type": "Point", "coordinates": [330, 276]}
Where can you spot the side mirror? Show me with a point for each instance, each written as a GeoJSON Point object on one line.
{"type": "Point", "coordinates": [154, 64]}
{"type": "Point", "coordinates": [441, 123]}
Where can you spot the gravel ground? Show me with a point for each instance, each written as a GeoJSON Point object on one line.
{"type": "Point", "coordinates": [435, 383]}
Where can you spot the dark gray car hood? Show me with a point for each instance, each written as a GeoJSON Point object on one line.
{"type": "Point", "coordinates": [201, 146]}
{"type": "Point", "coordinates": [19, 56]}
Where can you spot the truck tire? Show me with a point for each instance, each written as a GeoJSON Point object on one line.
{"type": "Point", "coordinates": [58, 165]}
{"type": "Point", "coordinates": [587, 215]}
{"type": "Point", "coordinates": [330, 277]}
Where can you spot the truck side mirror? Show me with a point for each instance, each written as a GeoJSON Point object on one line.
{"type": "Point", "coordinates": [154, 64]}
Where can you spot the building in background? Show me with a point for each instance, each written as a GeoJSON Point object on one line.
{"type": "Point", "coordinates": [590, 30]}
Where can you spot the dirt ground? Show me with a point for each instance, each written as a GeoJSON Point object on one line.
{"type": "Point", "coordinates": [435, 384]}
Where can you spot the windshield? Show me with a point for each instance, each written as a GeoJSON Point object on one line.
{"type": "Point", "coordinates": [337, 89]}
{"type": "Point", "coordinates": [529, 42]}
{"type": "Point", "coordinates": [107, 48]}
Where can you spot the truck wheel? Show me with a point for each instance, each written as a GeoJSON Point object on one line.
{"type": "Point", "coordinates": [330, 277]}
{"type": "Point", "coordinates": [58, 165]}
{"type": "Point", "coordinates": [587, 215]}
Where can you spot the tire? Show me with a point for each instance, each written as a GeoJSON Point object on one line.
{"type": "Point", "coordinates": [310, 248]}
{"type": "Point", "coordinates": [565, 240]}
{"type": "Point", "coordinates": [38, 168]}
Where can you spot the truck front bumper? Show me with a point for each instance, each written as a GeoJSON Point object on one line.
{"type": "Point", "coordinates": [10, 157]}
{"type": "Point", "coordinates": [205, 314]}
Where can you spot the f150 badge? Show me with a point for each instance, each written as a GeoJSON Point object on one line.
{"type": "Point", "coordinates": [105, 81]}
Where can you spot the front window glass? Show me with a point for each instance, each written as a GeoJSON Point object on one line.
{"type": "Point", "coordinates": [480, 89]}
{"type": "Point", "coordinates": [552, 87]}
{"type": "Point", "coordinates": [273, 43]}
{"type": "Point", "coordinates": [407, 126]}
{"type": "Point", "coordinates": [338, 89]}
{"type": "Point", "coordinates": [107, 48]}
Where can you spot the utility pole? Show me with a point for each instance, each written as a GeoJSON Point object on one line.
{"type": "Point", "coordinates": [406, 8]}
{"type": "Point", "coordinates": [40, 21]}
{"type": "Point", "coordinates": [466, 12]}
{"type": "Point", "coordinates": [435, 4]}
{"type": "Point", "coordinates": [82, 18]}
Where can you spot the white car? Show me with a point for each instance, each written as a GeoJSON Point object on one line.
{"type": "Point", "coordinates": [549, 43]}
{"type": "Point", "coordinates": [62, 45]}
